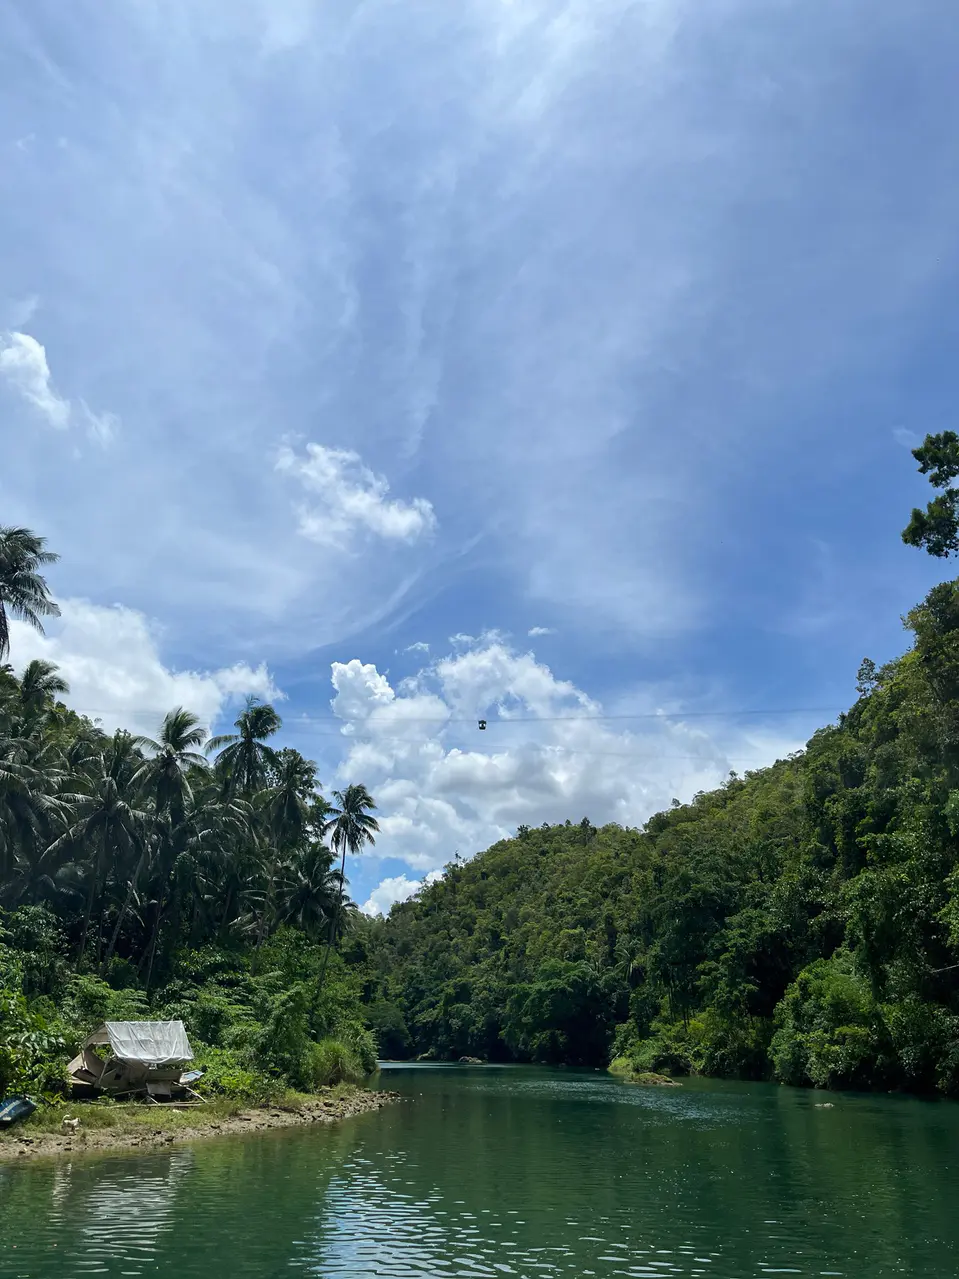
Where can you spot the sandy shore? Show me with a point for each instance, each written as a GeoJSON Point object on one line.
{"type": "Point", "coordinates": [138, 1127]}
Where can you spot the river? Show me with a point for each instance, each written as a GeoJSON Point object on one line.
{"type": "Point", "coordinates": [489, 1171]}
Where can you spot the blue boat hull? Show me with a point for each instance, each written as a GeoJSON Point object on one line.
{"type": "Point", "coordinates": [14, 1109]}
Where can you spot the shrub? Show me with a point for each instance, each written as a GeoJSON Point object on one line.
{"type": "Point", "coordinates": [669, 1051]}
{"type": "Point", "coordinates": [227, 1072]}
{"type": "Point", "coordinates": [90, 1001]}
{"type": "Point", "coordinates": [332, 1062]}
{"type": "Point", "coordinates": [31, 1049]}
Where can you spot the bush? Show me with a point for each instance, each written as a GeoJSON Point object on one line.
{"type": "Point", "coordinates": [669, 1052]}
{"type": "Point", "coordinates": [35, 935]}
{"type": "Point", "coordinates": [31, 1050]}
{"type": "Point", "coordinates": [731, 1047]}
{"type": "Point", "coordinates": [90, 1001]}
{"type": "Point", "coordinates": [332, 1062]}
{"type": "Point", "coordinates": [227, 1072]}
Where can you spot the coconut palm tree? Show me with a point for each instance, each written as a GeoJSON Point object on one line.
{"type": "Point", "coordinates": [309, 890]}
{"type": "Point", "coordinates": [244, 759]}
{"type": "Point", "coordinates": [351, 826]}
{"type": "Point", "coordinates": [285, 809]}
{"type": "Point", "coordinates": [165, 775]}
{"type": "Point", "coordinates": [23, 591]}
{"type": "Point", "coordinates": [32, 805]}
{"type": "Point", "coordinates": [40, 684]}
{"type": "Point", "coordinates": [110, 825]}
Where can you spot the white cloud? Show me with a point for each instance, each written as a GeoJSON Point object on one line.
{"type": "Point", "coordinates": [110, 658]}
{"type": "Point", "coordinates": [352, 499]}
{"type": "Point", "coordinates": [534, 631]}
{"type": "Point", "coordinates": [101, 427]}
{"type": "Point", "coordinates": [585, 409]}
{"type": "Point", "coordinates": [23, 363]}
{"type": "Point", "coordinates": [420, 646]}
{"type": "Point", "coordinates": [443, 786]}
{"type": "Point", "coordinates": [396, 888]}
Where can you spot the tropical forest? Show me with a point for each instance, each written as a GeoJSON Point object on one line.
{"type": "Point", "coordinates": [798, 924]}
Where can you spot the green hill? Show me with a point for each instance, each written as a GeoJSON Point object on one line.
{"type": "Point", "coordinates": [800, 923]}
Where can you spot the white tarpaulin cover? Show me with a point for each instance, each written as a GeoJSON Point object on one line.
{"type": "Point", "coordinates": [153, 1042]}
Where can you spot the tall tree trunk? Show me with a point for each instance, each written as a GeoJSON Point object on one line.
{"type": "Point", "coordinates": [88, 910]}
{"type": "Point", "coordinates": [123, 913]}
{"type": "Point", "coordinates": [267, 904]}
{"type": "Point", "coordinates": [151, 953]}
{"type": "Point", "coordinates": [226, 908]}
{"type": "Point", "coordinates": [333, 919]}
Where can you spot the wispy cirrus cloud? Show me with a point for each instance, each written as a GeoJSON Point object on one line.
{"type": "Point", "coordinates": [600, 310]}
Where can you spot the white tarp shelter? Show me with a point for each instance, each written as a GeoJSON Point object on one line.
{"type": "Point", "coordinates": [152, 1043]}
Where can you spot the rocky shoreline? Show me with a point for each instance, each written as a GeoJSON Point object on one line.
{"type": "Point", "coordinates": [139, 1127]}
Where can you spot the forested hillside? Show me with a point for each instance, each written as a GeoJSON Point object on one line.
{"type": "Point", "coordinates": [800, 923]}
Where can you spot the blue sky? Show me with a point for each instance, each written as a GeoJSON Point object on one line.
{"type": "Point", "coordinates": [332, 331]}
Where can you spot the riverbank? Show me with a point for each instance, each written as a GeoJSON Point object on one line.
{"type": "Point", "coordinates": [623, 1068]}
{"type": "Point", "coordinates": [121, 1127]}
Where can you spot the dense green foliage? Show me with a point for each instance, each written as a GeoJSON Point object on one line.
{"type": "Point", "coordinates": [139, 879]}
{"type": "Point", "coordinates": [799, 923]}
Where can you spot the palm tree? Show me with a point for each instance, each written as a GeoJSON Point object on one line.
{"type": "Point", "coordinates": [40, 684]}
{"type": "Point", "coordinates": [244, 759]}
{"type": "Point", "coordinates": [23, 592]}
{"type": "Point", "coordinates": [165, 775]}
{"type": "Point", "coordinates": [309, 890]}
{"type": "Point", "coordinates": [109, 823]}
{"type": "Point", "coordinates": [162, 780]}
{"type": "Point", "coordinates": [287, 807]}
{"type": "Point", "coordinates": [32, 807]}
{"type": "Point", "coordinates": [350, 826]}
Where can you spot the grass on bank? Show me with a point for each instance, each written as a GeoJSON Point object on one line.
{"type": "Point", "coordinates": [131, 1118]}
{"type": "Point", "coordinates": [626, 1069]}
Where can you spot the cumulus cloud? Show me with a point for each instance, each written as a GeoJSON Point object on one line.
{"type": "Point", "coordinates": [535, 631]}
{"type": "Point", "coordinates": [24, 366]}
{"type": "Point", "coordinates": [420, 646]}
{"type": "Point", "coordinates": [396, 888]}
{"type": "Point", "coordinates": [352, 499]}
{"type": "Point", "coordinates": [110, 658]}
{"type": "Point", "coordinates": [548, 753]}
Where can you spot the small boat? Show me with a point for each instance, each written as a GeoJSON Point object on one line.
{"type": "Point", "coordinates": [191, 1076]}
{"type": "Point", "coordinates": [14, 1109]}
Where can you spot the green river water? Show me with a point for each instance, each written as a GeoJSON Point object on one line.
{"type": "Point", "coordinates": [492, 1171]}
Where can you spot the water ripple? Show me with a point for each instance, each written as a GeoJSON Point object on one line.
{"type": "Point", "coordinates": [512, 1173]}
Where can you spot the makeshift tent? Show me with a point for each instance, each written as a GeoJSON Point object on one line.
{"type": "Point", "coordinates": [155, 1043]}
{"type": "Point", "coordinates": [144, 1058]}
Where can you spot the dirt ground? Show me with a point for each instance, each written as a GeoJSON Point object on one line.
{"type": "Point", "coordinates": [139, 1126]}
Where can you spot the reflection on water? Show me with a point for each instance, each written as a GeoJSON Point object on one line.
{"type": "Point", "coordinates": [99, 1213]}
{"type": "Point", "coordinates": [518, 1172]}
{"type": "Point", "coordinates": [124, 1218]}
